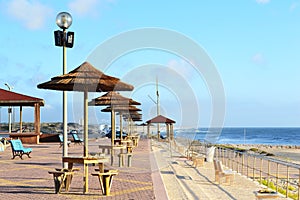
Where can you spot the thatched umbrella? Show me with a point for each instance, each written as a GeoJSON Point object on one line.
{"type": "Point", "coordinates": [85, 78]}
{"type": "Point", "coordinates": [132, 114]}
{"type": "Point", "coordinates": [131, 117]}
{"type": "Point", "coordinates": [143, 125]}
{"type": "Point", "coordinates": [121, 109]}
{"type": "Point", "coordinates": [113, 99]}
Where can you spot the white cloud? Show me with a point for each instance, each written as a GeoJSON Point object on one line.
{"type": "Point", "coordinates": [263, 1]}
{"type": "Point", "coordinates": [32, 14]}
{"type": "Point", "coordinates": [83, 7]}
{"type": "Point", "coordinates": [294, 6]}
{"type": "Point", "coordinates": [259, 59]}
{"type": "Point", "coordinates": [89, 7]}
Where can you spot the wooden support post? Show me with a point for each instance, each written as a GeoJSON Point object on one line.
{"type": "Point", "coordinates": [21, 129]}
{"type": "Point", "coordinates": [148, 131]}
{"type": "Point", "coordinates": [171, 131]}
{"type": "Point", "coordinates": [37, 121]}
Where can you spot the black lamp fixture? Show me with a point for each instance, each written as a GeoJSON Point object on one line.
{"type": "Point", "coordinates": [64, 38]}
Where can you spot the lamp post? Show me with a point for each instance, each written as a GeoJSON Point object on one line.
{"type": "Point", "coordinates": [157, 106]}
{"type": "Point", "coordinates": [9, 109]}
{"type": "Point", "coordinates": [64, 39]}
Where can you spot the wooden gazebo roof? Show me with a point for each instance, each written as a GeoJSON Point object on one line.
{"type": "Point", "coordinates": [160, 119]}
{"type": "Point", "coordinates": [9, 98]}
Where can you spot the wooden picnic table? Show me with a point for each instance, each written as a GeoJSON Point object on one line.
{"type": "Point", "coordinates": [85, 161]}
{"type": "Point", "coordinates": [134, 138]}
{"type": "Point", "coordinates": [126, 142]}
{"type": "Point", "coordinates": [111, 149]}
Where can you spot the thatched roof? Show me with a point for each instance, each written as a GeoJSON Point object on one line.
{"type": "Point", "coordinates": [112, 98]}
{"type": "Point", "coordinates": [136, 119]}
{"type": "Point", "coordinates": [86, 78]}
{"type": "Point", "coordinates": [132, 114]}
{"type": "Point", "coordinates": [121, 109]}
{"type": "Point", "coordinates": [160, 119]}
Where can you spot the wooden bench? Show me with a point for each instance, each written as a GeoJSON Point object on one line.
{"type": "Point", "coordinates": [18, 149]}
{"type": "Point", "coordinates": [61, 140]}
{"type": "Point", "coordinates": [190, 154]}
{"type": "Point", "coordinates": [105, 179]}
{"type": "Point", "coordinates": [220, 173]}
{"type": "Point", "coordinates": [122, 159]}
{"type": "Point", "coordinates": [129, 148]}
{"type": "Point", "coordinates": [198, 161]}
{"type": "Point", "coordinates": [62, 178]}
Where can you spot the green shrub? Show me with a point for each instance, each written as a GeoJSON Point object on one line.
{"type": "Point", "coordinates": [281, 190]}
{"type": "Point", "coordinates": [255, 150]}
{"type": "Point", "coordinates": [292, 188]}
{"type": "Point", "coordinates": [263, 152]}
{"type": "Point", "coordinates": [270, 154]}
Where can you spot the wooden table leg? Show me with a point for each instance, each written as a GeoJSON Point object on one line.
{"type": "Point", "coordinates": [107, 184]}
{"type": "Point", "coordinates": [112, 157]}
{"type": "Point", "coordinates": [70, 166]}
{"type": "Point", "coordinates": [101, 167]}
{"type": "Point", "coordinates": [86, 178]}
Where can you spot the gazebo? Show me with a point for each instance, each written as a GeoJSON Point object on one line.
{"type": "Point", "coordinates": [162, 120]}
{"type": "Point", "coordinates": [8, 98]}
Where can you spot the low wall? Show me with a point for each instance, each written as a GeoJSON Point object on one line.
{"type": "Point", "coordinates": [46, 137]}
{"type": "Point", "coordinates": [26, 138]}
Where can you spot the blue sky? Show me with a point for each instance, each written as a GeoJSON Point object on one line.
{"type": "Point", "coordinates": [254, 45]}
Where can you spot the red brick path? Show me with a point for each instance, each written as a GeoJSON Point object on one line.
{"type": "Point", "coordinates": [29, 178]}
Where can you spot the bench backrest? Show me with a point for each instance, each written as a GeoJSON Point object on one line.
{"type": "Point", "coordinates": [16, 145]}
{"type": "Point", "coordinates": [216, 165]}
{"type": "Point", "coordinates": [61, 137]}
{"type": "Point", "coordinates": [220, 166]}
{"type": "Point", "coordinates": [75, 136]}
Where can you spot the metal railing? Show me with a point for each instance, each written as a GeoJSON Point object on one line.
{"type": "Point", "coordinates": [284, 177]}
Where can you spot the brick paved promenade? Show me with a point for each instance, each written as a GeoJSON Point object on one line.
{"type": "Point", "coordinates": [154, 174]}
{"type": "Point", "coordinates": [29, 178]}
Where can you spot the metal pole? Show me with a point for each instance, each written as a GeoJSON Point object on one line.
{"type": "Point", "coordinates": [9, 109]}
{"type": "Point", "coordinates": [0, 119]}
{"type": "Point", "coordinates": [85, 126]}
{"type": "Point", "coordinates": [9, 119]}
{"type": "Point", "coordinates": [277, 175]}
{"type": "Point", "coordinates": [65, 119]}
{"type": "Point", "coordinates": [287, 181]}
{"type": "Point", "coordinates": [121, 127]}
{"type": "Point", "coordinates": [247, 165]}
{"type": "Point", "coordinates": [268, 176]}
{"type": "Point", "coordinates": [157, 107]}
{"type": "Point", "coordinates": [254, 167]}
{"type": "Point", "coordinates": [21, 126]}
{"type": "Point", "coordinates": [298, 186]}
{"type": "Point", "coordinates": [260, 171]}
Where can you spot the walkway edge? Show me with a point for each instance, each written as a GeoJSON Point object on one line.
{"type": "Point", "coordinates": [159, 188]}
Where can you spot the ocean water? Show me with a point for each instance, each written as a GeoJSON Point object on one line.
{"type": "Point", "coordinates": [269, 136]}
